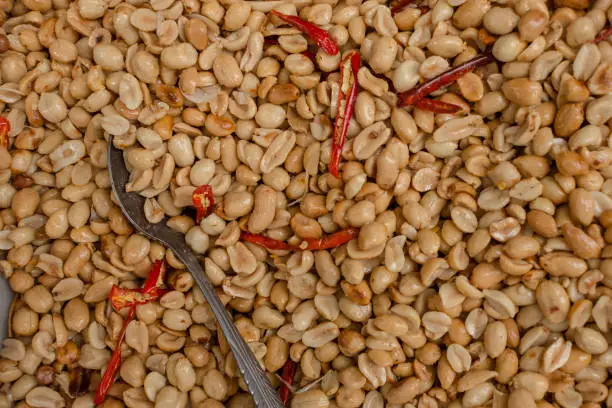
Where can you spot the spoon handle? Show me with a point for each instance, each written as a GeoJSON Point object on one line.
{"type": "Point", "coordinates": [255, 378]}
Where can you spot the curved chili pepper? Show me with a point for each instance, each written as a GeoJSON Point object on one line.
{"type": "Point", "coordinates": [115, 362]}
{"type": "Point", "coordinates": [436, 106]}
{"type": "Point", "coordinates": [331, 241]}
{"type": "Point", "coordinates": [156, 277]}
{"type": "Point", "coordinates": [121, 298]}
{"type": "Point", "coordinates": [316, 34]}
{"type": "Point", "coordinates": [346, 103]}
{"type": "Point", "coordinates": [267, 242]}
{"type": "Point", "coordinates": [287, 375]}
{"type": "Point", "coordinates": [412, 96]}
{"type": "Point", "coordinates": [203, 201]}
{"type": "Point", "coordinates": [5, 128]}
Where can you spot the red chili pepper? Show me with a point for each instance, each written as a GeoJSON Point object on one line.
{"type": "Point", "coordinates": [331, 241]}
{"type": "Point", "coordinates": [287, 375]}
{"type": "Point", "coordinates": [203, 201]}
{"type": "Point", "coordinates": [436, 106]}
{"type": "Point", "coordinates": [156, 277]}
{"type": "Point", "coordinates": [151, 290]}
{"type": "Point", "coordinates": [412, 96]}
{"type": "Point", "coordinates": [346, 103]}
{"type": "Point", "coordinates": [267, 242]}
{"type": "Point", "coordinates": [603, 35]}
{"type": "Point", "coordinates": [121, 298]}
{"type": "Point", "coordinates": [5, 128]}
{"type": "Point", "coordinates": [318, 35]}
{"type": "Point", "coordinates": [115, 362]}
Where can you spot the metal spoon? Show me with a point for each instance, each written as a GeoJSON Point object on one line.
{"type": "Point", "coordinates": [132, 204]}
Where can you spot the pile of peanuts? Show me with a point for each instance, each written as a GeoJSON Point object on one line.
{"type": "Point", "coordinates": [481, 275]}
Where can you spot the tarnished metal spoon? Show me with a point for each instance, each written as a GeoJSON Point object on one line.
{"type": "Point", "coordinates": [132, 204]}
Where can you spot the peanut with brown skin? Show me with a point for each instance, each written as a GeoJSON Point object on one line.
{"type": "Point", "coordinates": [45, 375]}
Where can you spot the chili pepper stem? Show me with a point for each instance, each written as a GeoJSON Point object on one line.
{"type": "Point", "coordinates": [309, 386]}
{"type": "Point", "coordinates": [294, 390]}
{"type": "Point", "coordinates": [285, 383]}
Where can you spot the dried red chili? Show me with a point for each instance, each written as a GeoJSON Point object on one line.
{"type": "Point", "coordinates": [287, 375]}
{"type": "Point", "coordinates": [203, 201]}
{"type": "Point", "coordinates": [5, 128]}
{"type": "Point", "coordinates": [121, 298]}
{"type": "Point", "coordinates": [413, 96]}
{"type": "Point", "coordinates": [316, 34]}
{"type": "Point", "coordinates": [603, 35]}
{"type": "Point", "coordinates": [436, 106]}
{"type": "Point", "coordinates": [115, 362]}
{"type": "Point", "coordinates": [151, 291]}
{"type": "Point", "coordinates": [157, 276]}
{"type": "Point", "coordinates": [346, 104]}
{"type": "Point", "coordinates": [267, 242]}
{"type": "Point", "coordinates": [331, 241]}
